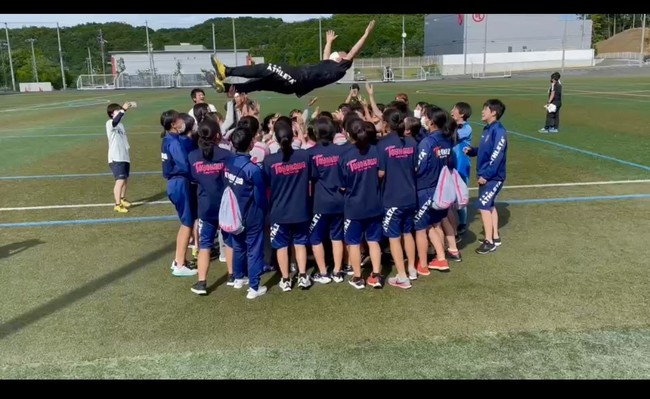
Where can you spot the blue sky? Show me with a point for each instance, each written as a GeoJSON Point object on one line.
{"type": "Point", "coordinates": [156, 21]}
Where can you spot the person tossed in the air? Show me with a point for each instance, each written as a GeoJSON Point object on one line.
{"type": "Point", "coordinates": [287, 79]}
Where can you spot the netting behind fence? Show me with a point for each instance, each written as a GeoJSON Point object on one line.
{"type": "Point", "coordinates": [96, 82]}
{"type": "Point", "coordinates": [386, 74]}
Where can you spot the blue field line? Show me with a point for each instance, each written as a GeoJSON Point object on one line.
{"type": "Point", "coordinates": [568, 147]}
{"type": "Point", "coordinates": [91, 221]}
{"type": "Point", "coordinates": [574, 199]}
{"type": "Point", "coordinates": [175, 217]}
{"type": "Point", "coordinates": [74, 175]}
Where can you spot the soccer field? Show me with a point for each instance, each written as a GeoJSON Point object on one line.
{"type": "Point", "coordinates": [87, 293]}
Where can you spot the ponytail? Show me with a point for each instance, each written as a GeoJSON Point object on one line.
{"type": "Point", "coordinates": [450, 130]}
{"type": "Point", "coordinates": [209, 133]}
{"type": "Point", "coordinates": [167, 119]}
{"type": "Point", "coordinates": [324, 130]}
{"type": "Point", "coordinates": [200, 111]}
{"type": "Point", "coordinates": [358, 134]}
{"type": "Point", "coordinates": [394, 117]}
{"type": "Point", "coordinates": [283, 130]}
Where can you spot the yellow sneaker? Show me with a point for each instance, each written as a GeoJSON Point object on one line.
{"type": "Point", "coordinates": [125, 203]}
{"type": "Point", "coordinates": [195, 253]}
{"type": "Point", "coordinates": [219, 67]}
{"type": "Point", "coordinates": [214, 81]}
{"type": "Point", "coordinates": [120, 209]}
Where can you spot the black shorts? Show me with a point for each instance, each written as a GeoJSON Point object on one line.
{"type": "Point", "coordinates": [120, 170]}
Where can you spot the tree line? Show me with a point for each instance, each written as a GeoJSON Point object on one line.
{"type": "Point", "coordinates": [608, 25]}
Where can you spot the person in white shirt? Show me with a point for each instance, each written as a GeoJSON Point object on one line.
{"type": "Point", "coordinates": [198, 97]}
{"type": "Point", "coordinates": [118, 154]}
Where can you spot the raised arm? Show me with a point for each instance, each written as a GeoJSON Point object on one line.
{"type": "Point", "coordinates": [329, 37]}
{"type": "Point", "coordinates": [373, 103]}
{"type": "Point", "coordinates": [357, 47]}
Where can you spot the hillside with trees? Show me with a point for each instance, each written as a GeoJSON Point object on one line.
{"type": "Point", "coordinates": [271, 38]}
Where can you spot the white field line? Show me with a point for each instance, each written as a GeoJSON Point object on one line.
{"type": "Point", "coordinates": [589, 183]}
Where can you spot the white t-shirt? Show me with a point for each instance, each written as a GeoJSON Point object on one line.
{"type": "Point", "coordinates": [274, 146]}
{"type": "Point", "coordinates": [118, 144]}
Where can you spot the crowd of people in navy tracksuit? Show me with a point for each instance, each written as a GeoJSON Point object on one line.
{"type": "Point", "coordinates": [340, 188]}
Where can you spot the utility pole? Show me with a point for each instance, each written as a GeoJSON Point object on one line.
{"type": "Point", "coordinates": [485, 32]}
{"type": "Point", "coordinates": [101, 48]}
{"type": "Point", "coordinates": [58, 37]}
{"type": "Point", "coordinates": [465, 21]}
{"type": "Point", "coordinates": [642, 55]}
{"type": "Point", "coordinates": [2, 63]}
{"type": "Point", "coordinates": [150, 52]}
{"type": "Point", "coordinates": [214, 40]}
{"type": "Point", "coordinates": [90, 68]}
{"type": "Point", "coordinates": [34, 69]}
{"type": "Point", "coordinates": [11, 61]}
{"type": "Point", "coordinates": [234, 41]}
{"type": "Point", "coordinates": [403, 43]}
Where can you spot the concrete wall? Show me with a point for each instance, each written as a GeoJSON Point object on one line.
{"type": "Point", "coordinates": [165, 62]}
{"type": "Point", "coordinates": [505, 33]}
{"type": "Point", "coordinates": [454, 64]}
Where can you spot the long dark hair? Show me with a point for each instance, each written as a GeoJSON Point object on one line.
{"type": "Point", "coordinates": [189, 122]}
{"type": "Point", "coordinates": [200, 110]}
{"type": "Point", "coordinates": [371, 131]}
{"type": "Point", "coordinates": [209, 134]}
{"type": "Point", "coordinates": [249, 122]}
{"type": "Point", "coordinates": [325, 130]}
{"type": "Point", "coordinates": [283, 130]}
{"type": "Point", "coordinates": [443, 121]}
{"type": "Point", "coordinates": [359, 134]}
{"type": "Point", "coordinates": [167, 119]}
{"type": "Point", "coordinates": [241, 139]}
{"type": "Point", "coordinates": [395, 120]}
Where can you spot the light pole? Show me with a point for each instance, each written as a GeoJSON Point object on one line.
{"type": "Point", "coordinates": [11, 61]}
{"type": "Point", "coordinates": [34, 70]}
{"type": "Point", "coordinates": [403, 44]}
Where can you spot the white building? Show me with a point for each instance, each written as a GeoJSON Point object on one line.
{"type": "Point", "coordinates": [185, 58]}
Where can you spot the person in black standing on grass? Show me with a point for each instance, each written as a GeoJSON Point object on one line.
{"type": "Point", "coordinates": [287, 79]}
{"type": "Point", "coordinates": [554, 104]}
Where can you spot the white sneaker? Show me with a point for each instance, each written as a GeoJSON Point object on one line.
{"type": "Point", "coordinates": [413, 273]}
{"type": "Point", "coordinates": [222, 257]}
{"type": "Point", "coordinates": [285, 285]}
{"type": "Point", "coordinates": [304, 282]}
{"type": "Point", "coordinates": [252, 294]}
{"type": "Point", "coordinates": [184, 271]}
{"type": "Point", "coordinates": [322, 278]}
{"type": "Point", "coordinates": [239, 283]}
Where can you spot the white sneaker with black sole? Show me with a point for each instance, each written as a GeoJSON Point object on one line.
{"type": "Point", "coordinates": [304, 282]}
{"type": "Point", "coordinates": [285, 285]}
{"type": "Point", "coordinates": [322, 278]}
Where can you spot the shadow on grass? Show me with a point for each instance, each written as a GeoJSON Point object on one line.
{"type": "Point", "coordinates": [17, 247]}
{"type": "Point", "coordinates": [156, 197]}
{"type": "Point", "coordinates": [502, 210]}
{"type": "Point", "coordinates": [18, 323]}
